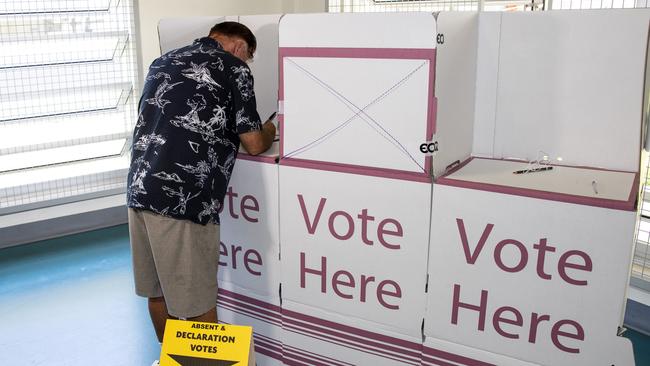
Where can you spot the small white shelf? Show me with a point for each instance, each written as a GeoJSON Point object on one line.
{"type": "Point", "coordinates": [581, 185]}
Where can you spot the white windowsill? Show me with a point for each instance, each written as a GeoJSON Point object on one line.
{"type": "Point", "coordinates": [59, 211]}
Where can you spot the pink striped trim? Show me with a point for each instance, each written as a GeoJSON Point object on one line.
{"type": "Point", "coordinates": [628, 205]}
{"type": "Point", "coordinates": [433, 352]}
{"type": "Point", "coordinates": [333, 332]}
{"type": "Point", "coordinates": [258, 309]}
{"type": "Point", "coordinates": [269, 339]}
{"type": "Point", "coordinates": [286, 355]}
{"type": "Point", "coordinates": [268, 346]}
{"type": "Point", "coordinates": [339, 52]}
{"type": "Point", "coordinates": [356, 169]}
{"type": "Point", "coordinates": [265, 349]}
{"type": "Point", "coordinates": [377, 53]}
{"type": "Point", "coordinates": [355, 344]}
{"type": "Point", "coordinates": [368, 346]}
{"type": "Point", "coordinates": [349, 345]}
{"type": "Point", "coordinates": [426, 361]}
{"type": "Point", "coordinates": [289, 362]}
{"type": "Point", "coordinates": [268, 350]}
{"type": "Point", "coordinates": [357, 339]}
{"type": "Point", "coordinates": [364, 335]}
{"type": "Point", "coordinates": [316, 356]}
{"type": "Point", "coordinates": [250, 300]}
{"type": "Point", "coordinates": [307, 361]}
{"type": "Point", "coordinates": [256, 312]}
{"type": "Point", "coordinates": [258, 158]}
{"type": "Point", "coordinates": [249, 311]}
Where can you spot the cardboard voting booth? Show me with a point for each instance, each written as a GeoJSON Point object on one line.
{"type": "Point", "coordinates": [455, 86]}
{"type": "Point", "coordinates": [522, 271]}
{"type": "Point", "coordinates": [519, 264]}
{"type": "Point", "coordinates": [354, 185]}
{"type": "Point", "coordinates": [313, 336]}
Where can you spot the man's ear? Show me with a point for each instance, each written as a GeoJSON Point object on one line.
{"type": "Point", "coordinates": [240, 46]}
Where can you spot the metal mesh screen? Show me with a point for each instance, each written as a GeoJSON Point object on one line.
{"type": "Point", "coordinates": [67, 84]}
{"type": "Point", "coordinates": [597, 4]}
{"type": "Point", "coordinates": [337, 6]}
{"type": "Point", "coordinates": [641, 262]}
{"type": "Point", "coordinates": [340, 6]}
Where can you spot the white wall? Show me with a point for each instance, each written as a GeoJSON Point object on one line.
{"type": "Point", "coordinates": [304, 6]}
{"type": "Point", "coordinates": [151, 11]}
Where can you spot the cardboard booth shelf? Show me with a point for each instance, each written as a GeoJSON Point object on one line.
{"type": "Point", "coordinates": [582, 185]}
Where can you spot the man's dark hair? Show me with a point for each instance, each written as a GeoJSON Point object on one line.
{"type": "Point", "coordinates": [234, 29]}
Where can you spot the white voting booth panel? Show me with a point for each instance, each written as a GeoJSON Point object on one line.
{"type": "Point", "coordinates": [175, 33]}
{"type": "Point", "coordinates": [456, 67]}
{"type": "Point", "coordinates": [250, 240]}
{"type": "Point", "coordinates": [249, 265]}
{"type": "Point", "coordinates": [265, 63]}
{"type": "Point", "coordinates": [312, 336]}
{"type": "Point", "coordinates": [355, 245]}
{"type": "Point", "coordinates": [437, 352]}
{"type": "Point", "coordinates": [180, 32]}
{"type": "Point", "coordinates": [365, 100]}
{"type": "Point", "coordinates": [567, 83]}
{"type": "Point", "coordinates": [243, 307]}
{"type": "Point", "coordinates": [354, 186]}
{"type": "Point", "coordinates": [532, 266]}
{"type": "Point", "coordinates": [575, 93]}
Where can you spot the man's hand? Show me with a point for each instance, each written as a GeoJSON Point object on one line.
{"type": "Point", "coordinates": [257, 142]}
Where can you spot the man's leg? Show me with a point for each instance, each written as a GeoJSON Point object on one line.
{"type": "Point", "coordinates": [186, 261]}
{"type": "Point", "coordinates": [159, 316]}
{"type": "Point", "coordinates": [144, 270]}
{"type": "Point", "coordinates": [209, 317]}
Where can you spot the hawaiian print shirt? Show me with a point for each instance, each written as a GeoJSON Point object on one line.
{"type": "Point", "coordinates": [195, 102]}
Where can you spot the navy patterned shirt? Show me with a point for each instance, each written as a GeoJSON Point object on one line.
{"type": "Point", "coordinates": [195, 102]}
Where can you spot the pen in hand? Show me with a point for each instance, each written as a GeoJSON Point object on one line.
{"type": "Point", "coordinates": [270, 119]}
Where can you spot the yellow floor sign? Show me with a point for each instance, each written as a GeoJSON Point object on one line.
{"type": "Point", "coordinates": [206, 344]}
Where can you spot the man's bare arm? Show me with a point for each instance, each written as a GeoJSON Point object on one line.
{"type": "Point", "coordinates": [257, 142]}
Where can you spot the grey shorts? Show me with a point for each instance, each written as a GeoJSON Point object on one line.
{"type": "Point", "coordinates": [177, 259]}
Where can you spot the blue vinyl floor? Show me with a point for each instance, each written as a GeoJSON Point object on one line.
{"type": "Point", "coordinates": [70, 302]}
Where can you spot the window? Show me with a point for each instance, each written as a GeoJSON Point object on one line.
{"type": "Point", "coordinates": [468, 5]}
{"type": "Point", "coordinates": [67, 90]}
{"type": "Point", "coordinates": [340, 6]}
